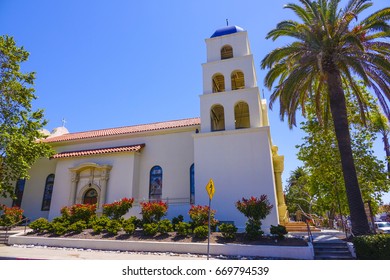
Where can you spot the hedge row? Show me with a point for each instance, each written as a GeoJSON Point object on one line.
{"type": "Point", "coordinates": [372, 247]}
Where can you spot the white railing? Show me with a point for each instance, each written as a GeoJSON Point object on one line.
{"type": "Point", "coordinates": [167, 200]}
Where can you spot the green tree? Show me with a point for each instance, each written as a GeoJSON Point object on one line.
{"type": "Point", "coordinates": [327, 52]}
{"type": "Point", "coordinates": [298, 193]}
{"type": "Point", "coordinates": [380, 124]}
{"type": "Point", "coordinates": [19, 123]}
{"type": "Point", "coordinates": [321, 159]}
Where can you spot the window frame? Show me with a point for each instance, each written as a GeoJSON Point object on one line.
{"type": "Point", "coordinates": [155, 183]}
{"type": "Point", "coordinates": [192, 184]}
{"type": "Point", "coordinates": [48, 192]}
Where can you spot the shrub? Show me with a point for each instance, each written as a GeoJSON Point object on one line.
{"type": "Point", "coordinates": [79, 212]}
{"type": "Point", "coordinates": [279, 231]}
{"type": "Point", "coordinates": [372, 247]}
{"type": "Point", "coordinates": [255, 209]}
{"type": "Point", "coordinates": [129, 226]}
{"type": "Point", "coordinates": [152, 212]}
{"type": "Point", "coordinates": [137, 222]}
{"type": "Point", "coordinates": [150, 229]}
{"type": "Point", "coordinates": [200, 216]}
{"type": "Point", "coordinates": [99, 224]}
{"type": "Point", "coordinates": [113, 226]}
{"type": "Point", "coordinates": [177, 220]}
{"type": "Point", "coordinates": [58, 227]}
{"type": "Point", "coordinates": [40, 225]}
{"type": "Point", "coordinates": [117, 209]}
{"type": "Point", "coordinates": [60, 220]}
{"type": "Point", "coordinates": [11, 216]}
{"type": "Point", "coordinates": [183, 229]}
{"type": "Point", "coordinates": [77, 227]}
{"type": "Point", "coordinates": [201, 232]}
{"type": "Point", "coordinates": [165, 226]}
{"type": "Point", "coordinates": [253, 230]}
{"type": "Point", "coordinates": [228, 231]}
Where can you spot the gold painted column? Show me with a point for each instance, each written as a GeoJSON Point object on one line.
{"type": "Point", "coordinates": [278, 163]}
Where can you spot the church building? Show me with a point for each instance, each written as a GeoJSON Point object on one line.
{"type": "Point", "coordinates": [172, 161]}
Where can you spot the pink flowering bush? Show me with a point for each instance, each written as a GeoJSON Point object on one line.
{"type": "Point", "coordinates": [152, 212]}
{"type": "Point", "coordinates": [255, 209]}
{"type": "Point", "coordinates": [10, 216]}
{"type": "Point", "coordinates": [200, 216]}
{"type": "Point", "coordinates": [78, 212]}
{"type": "Point", "coordinates": [117, 209]}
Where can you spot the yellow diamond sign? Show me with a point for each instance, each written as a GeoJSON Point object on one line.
{"type": "Point", "coordinates": [210, 188]}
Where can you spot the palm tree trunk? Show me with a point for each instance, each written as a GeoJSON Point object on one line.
{"type": "Point", "coordinates": [339, 113]}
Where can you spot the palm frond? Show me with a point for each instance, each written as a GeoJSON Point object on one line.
{"type": "Point", "coordinates": [299, 11]}
{"type": "Point", "coordinates": [383, 34]}
{"type": "Point", "coordinates": [281, 53]}
{"type": "Point", "coordinates": [353, 40]}
{"type": "Point", "coordinates": [274, 73]}
{"type": "Point", "coordinates": [350, 84]}
{"type": "Point", "coordinates": [381, 62]}
{"type": "Point", "coordinates": [382, 101]}
{"type": "Point", "coordinates": [380, 15]}
{"type": "Point", "coordinates": [355, 63]}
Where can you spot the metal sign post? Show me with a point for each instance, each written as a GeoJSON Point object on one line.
{"type": "Point", "coordinates": [210, 188]}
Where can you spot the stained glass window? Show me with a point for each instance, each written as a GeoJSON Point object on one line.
{"type": "Point", "coordinates": [192, 184]}
{"type": "Point", "coordinates": [19, 189]}
{"type": "Point", "coordinates": [155, 187]}
{"type": "Point", "coordinates": [48, 193]}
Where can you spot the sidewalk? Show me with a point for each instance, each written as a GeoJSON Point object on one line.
{"type": "Point", "coordinates": [50, 253]}
{"type": "Point", "coordinates": [325, 235]}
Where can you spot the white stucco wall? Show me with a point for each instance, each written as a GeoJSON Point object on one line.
{"type": "Point", "coordinates": [34, 189]}
{"type": "Point", "coordinates": [130, 173]}
{"type": "Point", "coordinates": [240, 164]}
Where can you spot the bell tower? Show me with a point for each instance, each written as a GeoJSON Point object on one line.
{"type": "Point", "coordinates": [233, 146]}
{"type": "Point", "coordinates": [230, 98]}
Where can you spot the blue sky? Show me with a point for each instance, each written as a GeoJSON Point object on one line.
{"type": "Point", "coordinates": [103, 64]}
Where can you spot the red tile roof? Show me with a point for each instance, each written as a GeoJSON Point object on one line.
{"type": "Point", "coordinates": [132, 148]}
{"type": "Point", "coordinates": [123, 130]}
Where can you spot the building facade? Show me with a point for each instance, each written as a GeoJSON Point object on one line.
{"type": "Point", "coordinates": [173, 161]}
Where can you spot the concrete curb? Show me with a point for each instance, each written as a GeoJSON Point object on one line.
{"type": "Point", "coordinates": [288, 252]}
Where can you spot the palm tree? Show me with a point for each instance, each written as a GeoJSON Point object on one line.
{"type": "Point", "coordinates": [327, 51]}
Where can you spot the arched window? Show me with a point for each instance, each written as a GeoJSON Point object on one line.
{"type": "Point", "coordinates": [48, 193]}
{"type": "Point", "coordinates": [241, 115]}
{"type": "Point", "coordinates": [238, 81]}
{"type": "Point", "coordinates": [192, 184]}
{"type": "Point", "coordinates": [90, 196]}
{"type": "Point", "coordinates": [218, 83]}
{"type": "Point", "coordinates": [226, 52]}
{"type": "Point", "coordinates": [19, 190]}
{"type": "Point", "coordinates": [155, 186]}
{"type": "Point", "coordinates": [217, 115]}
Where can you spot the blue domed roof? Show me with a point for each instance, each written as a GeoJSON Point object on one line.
{"type": "Point", "coordinates": [227, 30]}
